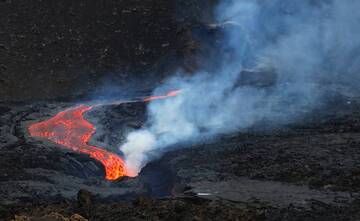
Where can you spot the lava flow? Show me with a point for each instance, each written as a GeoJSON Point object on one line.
{"type": "Point", "coordinates": [169, 94]}
{"type": "Point", "coordinates": [70, 129]}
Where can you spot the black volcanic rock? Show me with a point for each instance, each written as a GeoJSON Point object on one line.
{"type": "Point", "coordinates": [64, 49]}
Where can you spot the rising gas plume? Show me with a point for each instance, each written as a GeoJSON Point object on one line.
{"type": "Point", "coordinates": [312, 47]}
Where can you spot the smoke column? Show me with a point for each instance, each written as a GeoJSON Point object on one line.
{"type": "Point", "coordinates": [312, 46]}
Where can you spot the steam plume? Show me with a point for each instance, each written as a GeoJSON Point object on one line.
{"type": "Point", "coordinates": [312, 46]}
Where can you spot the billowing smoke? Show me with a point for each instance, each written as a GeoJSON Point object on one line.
{"type": "Point", "coordinates": [309, 48]}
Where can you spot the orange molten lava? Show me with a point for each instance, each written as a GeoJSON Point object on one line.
{"type": "Point", "coordinates": [169, 94]}
{"type": "Point", "coordinates": [70, 129]}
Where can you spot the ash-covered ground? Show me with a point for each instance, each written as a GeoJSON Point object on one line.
{"type": "Point", "coordinates": [55, 55]}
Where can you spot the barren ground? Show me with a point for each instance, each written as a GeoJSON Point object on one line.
{"type": "Point", "coordinates": [54, 54]}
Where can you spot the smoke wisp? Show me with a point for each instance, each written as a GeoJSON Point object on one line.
{"type": "Point", "coordinates": [312, 46]}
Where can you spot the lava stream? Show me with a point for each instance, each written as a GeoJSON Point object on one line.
{"type": "Point", "coordinates": [70, 129]}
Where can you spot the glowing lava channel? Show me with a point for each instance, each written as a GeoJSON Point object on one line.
{"type": "Point", "coordinates": [70, 129]}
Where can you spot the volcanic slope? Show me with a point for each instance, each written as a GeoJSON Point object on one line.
{"type": "Point", "coordinates": [308, 171]}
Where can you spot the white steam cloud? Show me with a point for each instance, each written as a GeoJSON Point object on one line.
{"type": "Point", "coordinates": [312, 46]}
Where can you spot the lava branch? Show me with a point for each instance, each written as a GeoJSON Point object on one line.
{"type": "Point", "coordinates": [71, 130]}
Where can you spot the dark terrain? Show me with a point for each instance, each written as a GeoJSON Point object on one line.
{"type": "Point", "coordinates": [55, 53]}
{"type": "Point", "coordinates": [307, 171]}
{"type": "Point", "coordinates": [67, 49]}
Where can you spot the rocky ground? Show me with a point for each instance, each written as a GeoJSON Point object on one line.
{"type": "Point", "coordinates": [54, 54]}
{"type": "Point", "coordinates": [307, 171]}
{"type": "Point", "coordinates": [70, 49]}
